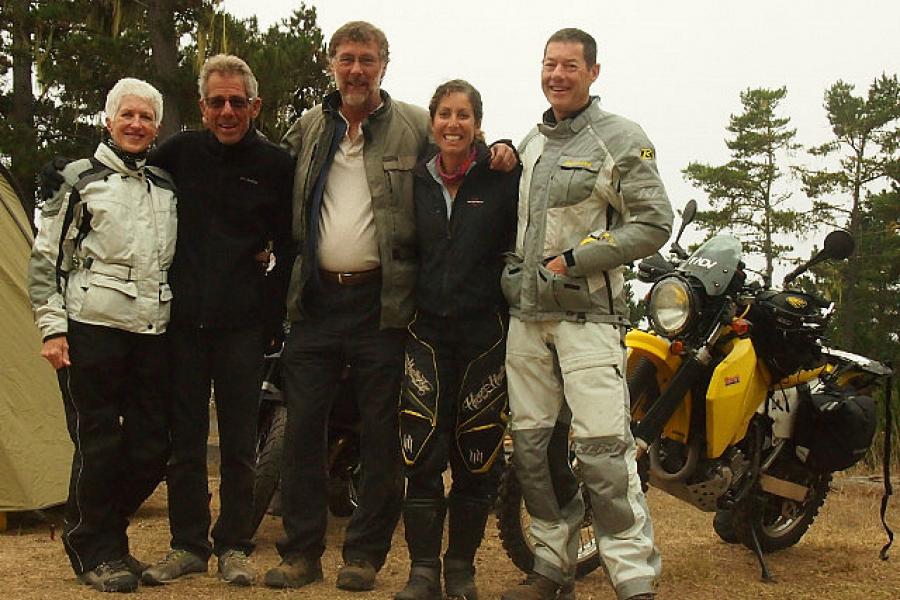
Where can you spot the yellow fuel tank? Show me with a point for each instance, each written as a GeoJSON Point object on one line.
{"type": "Point", "coordinates": [737, 387]}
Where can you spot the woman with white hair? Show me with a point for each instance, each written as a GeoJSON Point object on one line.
{"type": "Point", "coordinates": [98, 286]}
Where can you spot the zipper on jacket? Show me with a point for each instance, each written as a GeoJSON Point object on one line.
{"type": "Point", "coordinates": [449, 219]}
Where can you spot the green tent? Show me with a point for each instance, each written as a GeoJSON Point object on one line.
{"type": "Point", "coordinates": [35, 450]}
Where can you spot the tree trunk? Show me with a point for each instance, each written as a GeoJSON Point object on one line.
{"type": "Point", "coordinates": [24, 158]}
{"type": "Point", "coordinates": [164, 46]}
{"type": "Point", "coordinates": [849, 315]}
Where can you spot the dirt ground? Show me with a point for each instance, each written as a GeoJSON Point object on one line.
{"type": "Point", "coordinates": [837, 559]}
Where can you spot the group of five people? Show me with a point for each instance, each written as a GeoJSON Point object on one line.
{"type": "Point", "coordinates": [443, 271]}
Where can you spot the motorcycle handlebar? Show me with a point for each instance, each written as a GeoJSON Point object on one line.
{"type": "Point", "coordinates": [653, 267]}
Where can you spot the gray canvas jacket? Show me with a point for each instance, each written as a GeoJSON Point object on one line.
{"type": "Point", "coordinates": [396, 134]}
{"type": "Point", "coordinates": [104, 248]}
{"type": "Point", "coordinates": [590, 191]}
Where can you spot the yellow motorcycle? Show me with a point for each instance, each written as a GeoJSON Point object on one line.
{"type": "Point", "coordinates": [737, 406]}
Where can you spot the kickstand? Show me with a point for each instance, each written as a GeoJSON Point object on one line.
{"type": "Point", "coordinates": [765, 574]}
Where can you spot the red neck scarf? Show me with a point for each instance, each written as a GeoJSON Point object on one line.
{"type": "Point", "coordinates": [459, 173]}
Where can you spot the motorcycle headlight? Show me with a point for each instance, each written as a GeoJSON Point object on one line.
{"type": "Point", "coordinates": [671, 306]}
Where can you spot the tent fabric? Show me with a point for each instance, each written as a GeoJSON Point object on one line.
{"type": "Point", "coordinates": [35, 450]}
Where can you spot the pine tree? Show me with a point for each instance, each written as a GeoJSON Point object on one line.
{"type": "Point", "coordinates": [59, 58]}
{"type": "Point", "coordinates": [858, 195]}
{"type": "Point", "coordinates": [744, 193]}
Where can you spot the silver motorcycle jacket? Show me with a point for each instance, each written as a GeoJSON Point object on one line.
{"type": "Point", "coordinates": [104, 247]}
{"type": "Point", "coordinates": [590, 192]}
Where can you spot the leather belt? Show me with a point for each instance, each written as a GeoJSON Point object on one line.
{"type": "Point", "coordinates": [351, 278]}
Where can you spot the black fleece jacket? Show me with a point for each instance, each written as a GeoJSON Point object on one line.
{"type": "Point", "coordinates": [461, 258]}
{"type": "Point", "coordinates": [232, 199]}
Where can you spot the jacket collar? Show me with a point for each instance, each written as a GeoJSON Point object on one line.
{"type": "Point", "coordinates": [570, 125]}
{"type": "Point", "coordinates": [220, 149]}
{"type": "Point", "coordinates": [331, 105]}
{"type": "Point", "coordinates": [108, 157]}
{"type": "Point", "coordinates": [482, 158]}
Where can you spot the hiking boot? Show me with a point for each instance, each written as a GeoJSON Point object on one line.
{"type": "Point", "coordinates": [356, 576]}
{"type": "Point", "coordinates": [294, 572]}
{"type": "Point", "coordinates": [235, 568]}
{"type": "Point", "coordinates": [424, 584]}
{"type": "Point", "coordinates": [176, 564]}
{"type": "Point", "coordinates": [459, 580]}
{"type": "Point", "coordinates": [538, 587]}
{"type": "Point", "coordinates": [112, 576]}
{"type": "Point", "coordinates": [134, 565]}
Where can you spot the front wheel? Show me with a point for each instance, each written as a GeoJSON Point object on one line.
{"type": "Point", "coordinates": [780, 522]}
{"type": "Point", "coordinates": [270, 443]}
{"type": "Point", "coordinates": [513, 522]}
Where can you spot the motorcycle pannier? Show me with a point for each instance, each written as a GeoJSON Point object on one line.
{"type": "Point", "coordinates": [833, 431]}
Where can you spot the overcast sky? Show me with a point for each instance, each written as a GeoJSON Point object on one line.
{"type": "Point", "coordinates": [675, 67]}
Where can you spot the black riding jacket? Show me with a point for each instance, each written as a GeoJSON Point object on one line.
{"type": "Point", "coordinates": [461, 258]}
{"type": "Point", "coordinates": [232, 199]}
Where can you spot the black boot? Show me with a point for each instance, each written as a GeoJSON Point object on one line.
{"type": "Point", "coordinates": [424, 584]}
{"type": "Point", "coordinates": [423, 523]}
{"type": "Point", "coordinates": [466, 529]}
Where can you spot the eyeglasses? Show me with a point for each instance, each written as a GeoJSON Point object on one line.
{"type": "Point", "coordinates": [236, 102]}
{"type": "Point", "coordinates": [348, 60]}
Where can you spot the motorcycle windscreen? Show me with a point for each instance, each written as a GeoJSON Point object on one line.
{"type": "Point", "coordinates": [714, 263]}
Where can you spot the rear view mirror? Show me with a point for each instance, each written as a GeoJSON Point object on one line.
{"type": "Point", "coordinates": [839, 245]}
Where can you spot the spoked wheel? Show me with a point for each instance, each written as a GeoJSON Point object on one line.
{"type": "Point", "coordinates": [514, 522]}
{"type": "Point", "coordinates": [780, 522]}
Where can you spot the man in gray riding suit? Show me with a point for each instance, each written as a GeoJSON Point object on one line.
{"type": "Point", "coordinates": [590, 200]}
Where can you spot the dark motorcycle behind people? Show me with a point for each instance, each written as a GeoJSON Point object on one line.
{"type": "Point", "coordinates": [343, 446]}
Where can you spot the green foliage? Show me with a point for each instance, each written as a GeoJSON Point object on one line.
{"type": "Point", "coordinates": [861, 195]}
{"type": "Point", "coordinates": [876, 264]}
{"type": "Point", "coordinates": [77, 49]}
{"type": "Point", "coordinates": [637, 308]}
{"type": "Point", "coordinates": [288, 59]}
{"type": "Point", "coordinates": [865, 143]}
{"type": "Point", "coordinates": [743, 193]}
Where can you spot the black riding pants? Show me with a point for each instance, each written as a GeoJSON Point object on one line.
{"type": "Point", "coordinates": [115, 395]}
{"type": "Point", "coordinates": [455, 378]}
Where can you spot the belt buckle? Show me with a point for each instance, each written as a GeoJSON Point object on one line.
{"type": "Point", "coordinates": [342, 278]}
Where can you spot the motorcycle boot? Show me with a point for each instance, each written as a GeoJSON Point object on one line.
{"type": "Point", "coordinates": [423, 523]}
{"type": "Point", "coordinates": [294, 572]}
{"type": "Point", "coordinates": [538, 587]}
{"type": "Point", "coordinates": [467, 519]}
{"type": "Point", "coordinates": [424, 584]}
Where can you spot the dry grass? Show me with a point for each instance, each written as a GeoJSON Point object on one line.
{"type": "Point", "coordinates": [837, 559]}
